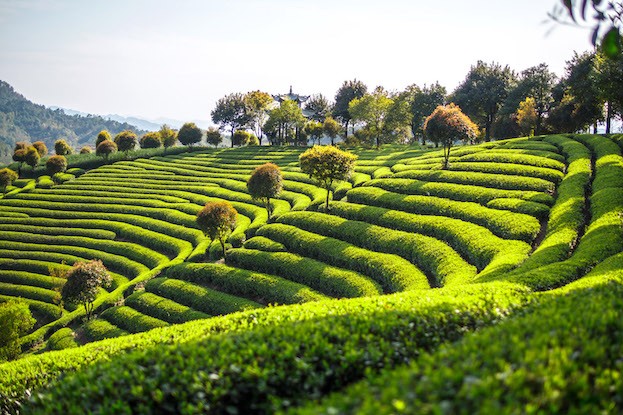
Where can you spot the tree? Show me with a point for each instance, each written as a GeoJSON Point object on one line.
{"type": "Point", "coordinates": [61, 148]}
{"type": "Point", "coordinates": [607, 16]}
{"type": "Point", "coordinates": [253, 140]}
{"type": "Point", "coordinates": [84, 280]}
{"type": "Point", "coordinates": [423, 103]}
{"type": "Point", "coordinates": [217, 220]}
{"type": "Point", "coordinates": [240, 138]}
{"type": "Point", "coordinates": [168, 136]}
{"type": "Point", "coordinates": [609, 77]}
{"type": "Point", "coordinates": [31, 156]}
{"type": "Point", "coordinates": [325, 164]}
{"type": "Point", "coordinates": [7, 177]}
{"type": "Point", "coordinates": [102, 136]}
{"type": "Point", "coordinates": [285, 123]}
{"type": "Point", "coordinates": [399, 118]}
{"type": "Point", "coordinates": [318, 107]}
{"type": "Point", "coordinates": [214, 136]}
{"type": "Point", "coordinates": [483, 92]}
{"type": "Point", "coordinates": [331, 128]}
{"type": "Point", "coordinates": [231, 111]}
{"type": "Point", "coordinates": [265, 183]}
{"type": "Point", "coordinates": [538, 82]}
{"type": "Point", "coordinates": [19, 155]}
{"type": "Point", "coordinates": [15, 321]}
{"type": "Point", "coordinates": [151, 140]}
{"type": "Point", "coordinates": [86, 150]}
{"type": "Point", "coordinates": [56, 164]}
{"type": "Point", "coordinates": [42, 149]}
{"type": "Point", "coordinates": [371, 110]}
{"type": "Point", "coordinates": [257, 105]}
{"type": "Point", "coordinates": [314, 130]}
{"type": "Point", "coordinates": [126, 141]}
{"type": "Point", "coordinates": [347, 92]}
{"type": "Point", "coordinates": [189, 134]}
{"type": "Point", "coordinates": [106, 148]}
{"type": "Point", "coordinates": [526, 116]}
{"type": "Point", "coordinates": [447, 124]}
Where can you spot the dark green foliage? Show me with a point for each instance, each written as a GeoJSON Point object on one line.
{"type": "Point", "coordinates": [151, 140]}
{"type": "Point", "coordinates": [62, 339]}
{"type": "Point", "coordinates": [240, 138]}
{"type": "Point", "coordinates": [126, 141]}
{"type": "Point", "coordinates": [189, 134]}
{"type": "Point", "coordinates": [265, 183]}
{"type": "Point", "coordinates": [15, 321]}
{"type": "Point", "coordinates": [100, 329]}
{"type": "Point", "coordinates": [131, 320]}
{"type": "Point", "coordinates": [7, 177]}
{"type": "Point", "coordinates": [217, 220]}
{"type": "Point", "coordinates": [56, 164]}
{"type": "Point", "coordinates": [162, 308]}
{"type": "Point", "coordinates": [61, 148]}
{"type": "Point", "coordinates": [106, 148]}
{"type": "Point", "coordinates": [214, 136]}
{"type": "Point", "coordinates": [42, 149]}
{"type": "Point", "coordinates": [84, 280]}
{"type": "Point", "coordinates": [86, 150]}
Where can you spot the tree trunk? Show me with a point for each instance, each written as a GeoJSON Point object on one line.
{"type": "Point", "coordinates": [233, 129]}
{"type": "Point", "coordinates": [327, 202]}
{"type": "Point", "coordinates": [488, 130]}
{"type": "Point", "coordinates": [222, 246]}
{"type": "Point", "coordinates": [537, 127]}
{"type": "Point", "coordinates": [608, 116]}
{"type": "Point", "coordinates": [268, 207]}
{"type": "Point", "coordinates": [345, 132]}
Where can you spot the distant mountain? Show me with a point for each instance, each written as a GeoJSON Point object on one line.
{"type": "Point", "coordinates": [23, 120]}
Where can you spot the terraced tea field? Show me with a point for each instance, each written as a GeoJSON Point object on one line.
{"type": "Point", "coordinates": [492, 286]}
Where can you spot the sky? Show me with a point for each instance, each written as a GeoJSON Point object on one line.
{"type": "Point", "coordinates": [175, 59]}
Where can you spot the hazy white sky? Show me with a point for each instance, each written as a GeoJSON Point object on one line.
{"type": "Point", "coordinates": [176, 58]}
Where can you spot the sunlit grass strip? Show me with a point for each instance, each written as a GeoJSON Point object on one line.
{"type": "Point", "coordinates": [260, 287]}
{"type": "Point", "coordinates": [508, 225]}
{"type": "Point", "coordinates": [326, 279]}
{"type": "Point", "coordinates": [392, 272]}
{"type": "Point", "coordinates": [441, 263]}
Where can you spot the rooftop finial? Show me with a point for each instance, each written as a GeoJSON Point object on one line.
{"type": "Point", "coordinates": [290, 89]}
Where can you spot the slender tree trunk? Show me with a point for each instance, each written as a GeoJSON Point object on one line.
{"type": "Point", "coordinates": [345, 132]}
{"type": "Point", "coordinates": [268, 207]}
{"type": "Point", "coordinates": [608, 116]}
{"type": "Point", "coordinates": [595, 128]}
{"type": "Point", "coordinates": [537, 127]}
{"type": "Point", "coordinates": [327, 201]}
{"type": "Point", "coordinates": [222, 246]}
{"type": "Point", "coordinates": [488, 130]}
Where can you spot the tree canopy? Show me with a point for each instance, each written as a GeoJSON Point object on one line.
{"type": "Point", "coordinates": [319, 108]}
{"type": "Point", "coordinates": [347, 92]}
{"type": "Point", "coordinates": [84, 280]}
{"type": "Point", "coordinates": [56, 164]}
{"type": "Point", "coordinates": [106, 148]}
{"type": "Point", "coordinates": [189, 134]}
{"type": "Point", "coordinates": [257, 104]}
{"type": "Point", "coordinates": [325, 164]}
{"type": "Point", "coordinates": [151, 140]}
{"type": "Point", "coordinates": [447, 124]}
{"type": "Point", "coordinates": [15, 321]}
{"type": "Point", "coordinates": [214, 136]}
{"type": "Point", "coordinates": [265, 183]}
{"type": "Point", "coordinates": [217, 220]}
{"type": "Point", "coordinates": [61, 148]}
{"type": "Point", "coordinates": [371, 110]}
{"type": "Point", "coordinates": [231, 111]}
{"type": "Point", "coordinates": [126, 141]}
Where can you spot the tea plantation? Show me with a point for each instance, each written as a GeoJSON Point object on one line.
{"type": "Point", "coordinates": [492, 286]}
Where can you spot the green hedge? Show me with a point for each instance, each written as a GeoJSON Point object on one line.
{"type": "Point", "coordinates": [264, 244]}
{"type": "Point", "coordinates": [162, 308]}
{"type": "Point", "coordinates": [511, 156]}
{"type": "Point", "coordinates": [131, 320]}
{"type": "Point", "coordinates": [460, 192]}
{"type": "Point", "coordinates": [269, 368]}
{"type": "Point", "coordinates": [508, 225]}
{"type": "Point", "coordinates": [538, 210]}
{"type": "Point", "coordinates": [31, 293]}
{"type": "Point", "coordinates": [561, 357]}
{"type": "Point", "coordinates": [493, 180]}
{"type": "Point", "coordinates": [30, 278]}
{"type": "Point", "coordinates": [331, 281]}
{"type": "Point", "coordinates": [99, 329]}
{"type": "Point", "coordinates": [262, 288]}
{"type": "Point", "coordinates": [441, 263]}
{"type": "Point", "coordinates": [198, 297]}
{"type": "Point", "coordinates": [392, 272]}
{"type": "Point", "coordinates": [61, 339]}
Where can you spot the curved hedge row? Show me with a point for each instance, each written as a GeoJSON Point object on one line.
{"type": "Point", "coordinates": [264, 244]}
{"type": "Point", "coordinates": [459, 192]}
{"type": "Point", "coordinates": [505, 224]}
{"type": "Point", "coordinates": [30, 278]}
{"type": "Point", "coordinates": [392, 272]}
{"type": "Point", "coordinates": [440, 262]}
{"type": "Point", "coordinates": [131, 320]}
{"type": "Point", "coordinates": [212, 373]}
{"type": "Point", "coordinates": [162, 308]}
{"type": "Point", "coordinates": [198, 297]}
{"type": "Point", "coordinates": [328, 280]}
{"type": "Point", "coordinates": [262, 288]}
{"type": "Point", "coordinates": [511, 156]}
{"type": "Point", "coordinates": [493, 180]}
{"type": "Point", "coordinates": [100, 329]}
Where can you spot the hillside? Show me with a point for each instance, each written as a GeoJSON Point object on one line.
{"type": "Point", "coordinates": [23, 120]}
{"type": "Point", "coordinates": [494, 286]}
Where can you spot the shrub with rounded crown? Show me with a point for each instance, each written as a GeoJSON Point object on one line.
{"type": "Point", "coordinates": [151, 140]}
{"type": "Point", "coordinates": [265, 183]}
{"type": "Point", "coordinates": [102, 136]}
{"type": "Point", "coordinates": [56, 164]}
{"type": "Point", "coordinates": [7, 177]}
{"type": "Point", "coordinates": [447, 124]}
{"type": "Point", "coordinates": [189, 134]}
{"type": "Point", "coordinates": [42, 149]}
{"type": "Point", "coordinates": [61, 148]}
{"type": "Point", "coordinates": [106, 148]}
{"type": "Point", "coordinates": [126, 140]}
{"type": "Point", "coordinates": [83, 282]}
{"type": "Point", "coordinates": [217, 220]}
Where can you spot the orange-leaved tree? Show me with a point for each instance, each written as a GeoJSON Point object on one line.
{"type": "Point", "coordinates": [446, 125]}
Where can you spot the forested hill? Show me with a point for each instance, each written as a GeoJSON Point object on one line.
{"type": "Point", "coordinates": [23, 120]}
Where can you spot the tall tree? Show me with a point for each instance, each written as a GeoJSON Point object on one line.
{"type": "Point", "coordinates": [526, 116]}
{"type": "Point", "coordinates": [347, 92]}
{"type": "Point", "coordinates": [315, 130]}
{"type": "Point", "coordinates": [61, 148]}
{"type": "Point", "coordinates": [483, 92]}
{"type": "Point", "coordinates": [285, 123]}
{"type": "Point", "coordinates": [126, 141]}
{"type": "Point", "coordinates": [325, 164]}
{"type": "Point", "coordinates": [319, 107]}
{"type": "Point", "coordinates": [398, 121]}
{"type": "Point", "coordinates": [610, 85]}
{"type": "Point", "coordinates": [231, 111]}
{"type": "Point", "coordinates": [257, 106]}
{"type": "Point", "coordinates": [217, 220]}
{"type": "Point", "coordinates": [84, 280]}
{"type": "Point", "coordinates": [371, 110]}
{"type": "Point", "coordinates": [265, 183]}
{"type": "Point", "coordinates": [538, 82]}
{"type": "Point", "coordinates": [423, 102]}
{"type": "Point", "coordinates": [168, 136]}
{"type": "Point", "coordinates": [448, 124]}
{"type": "Point", "coordinates": [331, 128]}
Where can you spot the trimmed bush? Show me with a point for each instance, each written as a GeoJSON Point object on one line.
{"type": "Point", "coordinates": [100, 329]}
{"type": "Point", "coordinates": [61, 339]}
{"type": "Point", "coordinates": [264, 244]}
{"type": "Point", "coordinates": [162, 308]}
{"type": "Point", "coordinates": [131, 320]}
